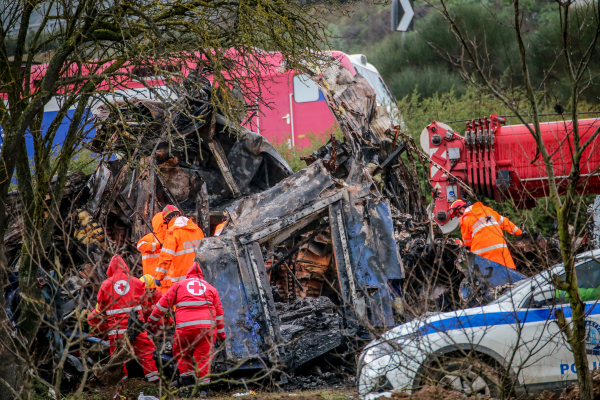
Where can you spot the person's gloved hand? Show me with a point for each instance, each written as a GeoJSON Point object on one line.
{"type": "Point", "coordinates": [157, 283]}
{"type": "Point", "coordinates": [525, 235]}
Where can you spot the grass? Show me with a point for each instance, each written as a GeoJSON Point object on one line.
{"type": "Point", "coordinates": [293, 154]}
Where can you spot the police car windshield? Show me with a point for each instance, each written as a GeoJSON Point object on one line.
{"type": "Point", "coordinates": [525, 284]}
{"type": "Point", "coordinates": [588, 274]}
{"type": "Point", "coordinates": [512, 293]}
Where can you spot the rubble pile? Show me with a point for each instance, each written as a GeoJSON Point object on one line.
{"type": "Point", "coordinates": [306, 262]}
{"type": "Point", "coordinates": [318, 379]}
{"type": "Point", "coordinates": [310, 327]}
{"type": "Point", "coordinates": [14, 232]}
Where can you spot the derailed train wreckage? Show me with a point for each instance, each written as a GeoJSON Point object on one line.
{"type": "Point", "coordinates": [306, 260]}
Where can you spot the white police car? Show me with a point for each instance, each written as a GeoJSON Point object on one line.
{"type": "Point", "coordinates": [479, 350]}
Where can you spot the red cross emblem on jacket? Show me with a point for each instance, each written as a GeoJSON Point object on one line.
{"type": "Point", "coordinates": [120, 295]}
{"type": "Point", "coordinates": [199, 317]}
{"type": "Point", "coordinates": [197, 303]}
{"type": "Point", "coordinates": [196, 288]}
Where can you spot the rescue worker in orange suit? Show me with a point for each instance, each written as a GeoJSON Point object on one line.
{"type": "Point", "coordinates": [219, 228]}
{"type": "Point", "coordinates": [149, 300]}
{"type": "Point", "coordinates": [119, 295]}
{"type": "Point", "coordinates": [178, 250]}
{"type": "Point", "coordinates": [199, 318]}
{"type": "Point", "coordinates": [481, 229]}
{"type": "Point", "coordinates": [149, 245]}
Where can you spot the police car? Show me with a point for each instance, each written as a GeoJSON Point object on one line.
{"type": "Point", "coordinates": [478, 350]}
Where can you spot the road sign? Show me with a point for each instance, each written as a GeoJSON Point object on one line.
{"type": "Point", "coordinates": [402, 15]}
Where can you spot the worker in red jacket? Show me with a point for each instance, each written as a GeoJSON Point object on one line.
{"type": "Point", "coordinates": [481, 229]}
{"type": "Point", "coordinates": [119, 295]}
{"type": "Point", "coordinates": [149, 300]}
{"type": "Point", "coordinates": [199, 318]}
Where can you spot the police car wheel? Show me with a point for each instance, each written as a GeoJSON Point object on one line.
{"type": "Point", "coordinates": [467, 376]}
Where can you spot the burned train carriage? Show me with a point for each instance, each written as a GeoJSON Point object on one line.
{"type": "Point", "coordinates": [323, 236]}
{"type": "Point", "coordinates": [330, 248]}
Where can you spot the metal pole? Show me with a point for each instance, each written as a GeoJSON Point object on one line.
{"type": "Point", "coordinates": [257, 120]}
{"type": "Point", "coordinates": [292, 119]}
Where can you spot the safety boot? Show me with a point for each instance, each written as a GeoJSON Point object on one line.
{"type": "Point", "coordinates": [183, 381]}
{"type": "Point", "coordinates": [186, 386]}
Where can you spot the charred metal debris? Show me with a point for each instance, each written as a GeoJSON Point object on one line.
{"type": "Point", "coordinates": [307, 263]}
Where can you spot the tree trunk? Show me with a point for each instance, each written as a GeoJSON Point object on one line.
{"type": "Point", "coordinates": [9, 375]}
{"type": "Point", "coordinates": [577, 341]}
{"type": "Point", "coordinates": [576, 335]}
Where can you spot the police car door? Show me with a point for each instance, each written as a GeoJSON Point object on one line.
{"type": "Point", "coordinates": [539, 339]}
{"type": "Point", "coordinates": [588, 279]}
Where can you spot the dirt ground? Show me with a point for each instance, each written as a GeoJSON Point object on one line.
{"type": "Point", "coordinates": [131, 389]}
{"type": "Point", "coordinates": [308, 395]}
{"type": "Point", "coordinates": [434, 393]}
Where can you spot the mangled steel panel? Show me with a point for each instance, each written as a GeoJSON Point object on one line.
{"type": "Point", "coordinates": [373, 252]}
{"type": "Point", "coordinates": [255, 262]}
{"type": "Point", "coordinates": [292, 193]}
{"type": "Point", "coordinates": [246, 156]}
{"type": "Point", "coordinates": [237, 268]}
{"type": "Point", "coordinates": [353, 103]}
{"type": "Point", "coordinates": [238, 273]}
{"type": "Point", "coordinates": [239, 297]}
{"type": "Point", "coordinates": [342, 259]}
{"type": "Point", "coordinates": [98, 184]}
{"type": "Point", "coordinates": [366, 257]}
{"type": "Point", "coordinates": [190, 144]}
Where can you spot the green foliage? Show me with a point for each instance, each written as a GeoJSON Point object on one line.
{"type": "Point", "coordinates": [547, 59]}
{"type": "Point", "coordinates": [427, 60]}
{"type": "Point", "coordinates": [542, 218]}
{"type": "Point", "coordinates": [293, 154]}
{"type": "Point", "coordinates": [431, 50]}
{"type": "Point", "coordinates": [429, 80]}
{"type": "Point", "coordinates": [417, 113]}
{"type": "Point", "coordinates": [39, 391]}
{"type": "Point", "coordinates": [84, 161]}
{"type": "Point", "coordinates": [359, 26]}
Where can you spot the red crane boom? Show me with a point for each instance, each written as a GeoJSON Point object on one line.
{"type": "Point", "coordinates": [502, 162]}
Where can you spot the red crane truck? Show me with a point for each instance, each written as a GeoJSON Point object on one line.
{"type": "Point", "coordinates": [501, 161]}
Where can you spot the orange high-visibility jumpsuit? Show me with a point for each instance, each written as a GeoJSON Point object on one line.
{"type": "Point", "coordinates": [178, 251]}
{"type": "Point", "coordinates": [481, 229]}
{"type": "Point", "coordinates": [150, 247]}
{"type": "Point", "coordinates": [219, 228]}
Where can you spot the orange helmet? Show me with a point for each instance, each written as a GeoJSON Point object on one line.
{"type": "Point", "coordinates": [456, 207]}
